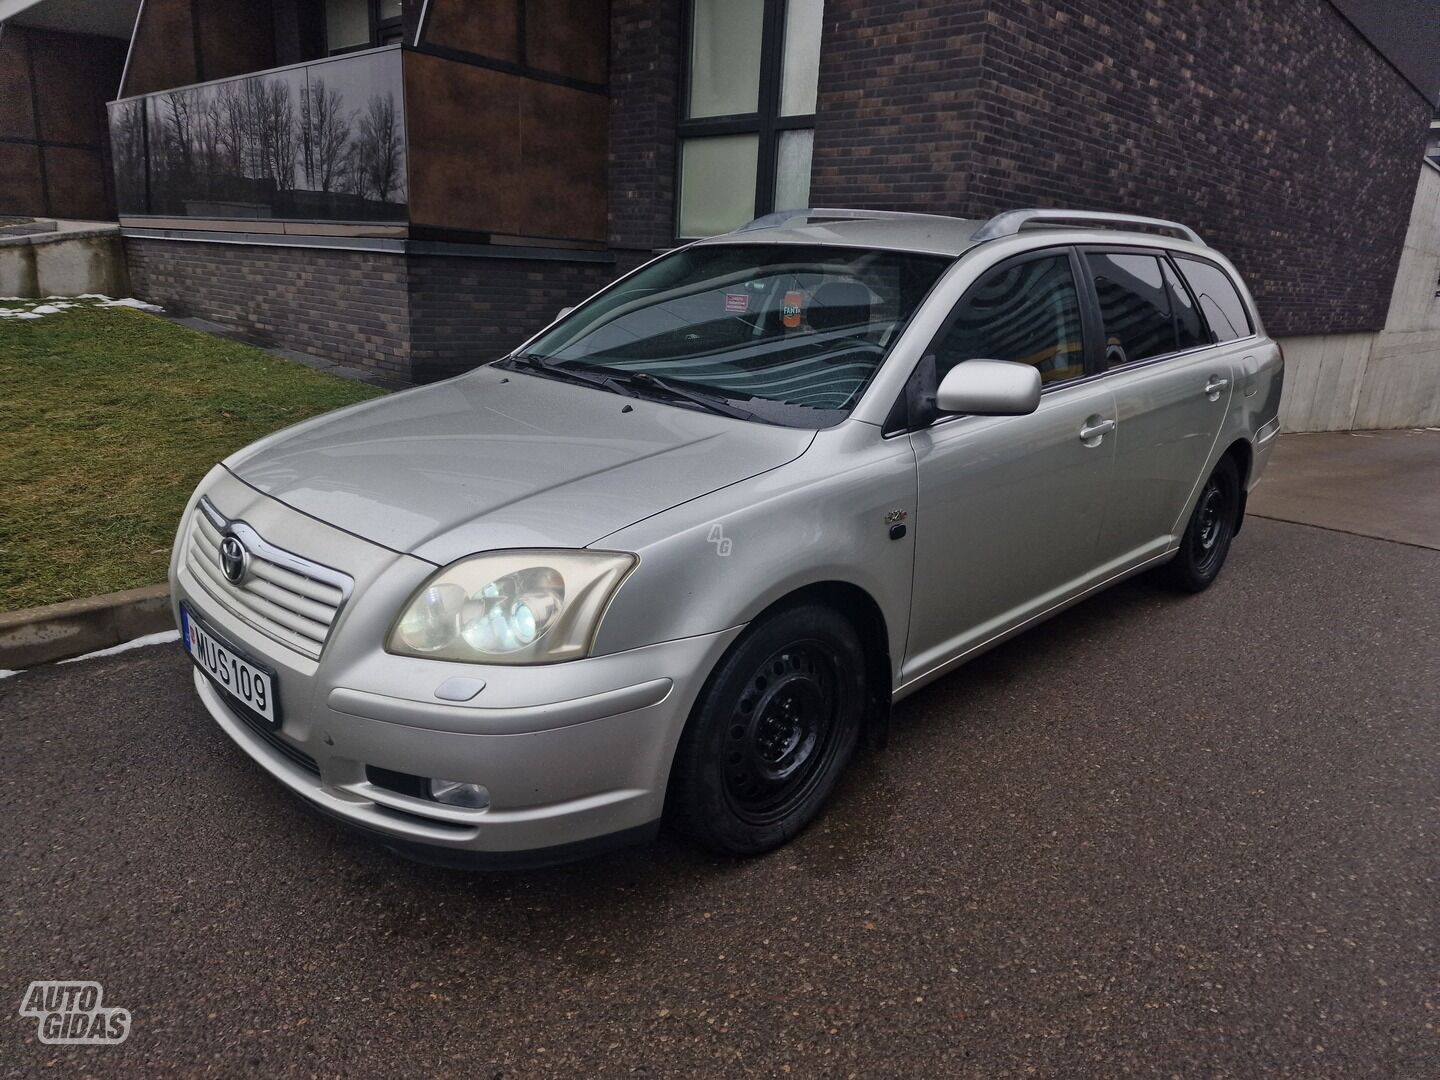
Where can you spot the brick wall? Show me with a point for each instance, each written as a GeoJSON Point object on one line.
{"type": "Point", "coordinates": [467, 311]}
{"type": "Point", "coordinates": [1272, 127]}
{"type": "Point", "coordinates": [409, 318]}
{"type": "Point", "coordinates": [348, 306]}
{"type": "Point", "coordinates": [645, 63]}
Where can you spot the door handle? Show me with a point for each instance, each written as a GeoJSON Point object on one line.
{"type": "Point", "coordinates": [1095, 431]}
{"type": "Point", "coordinates": [1214, 386]}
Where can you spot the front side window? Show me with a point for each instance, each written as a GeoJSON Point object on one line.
{"type": "Point", "coordinates": [1026, 312]}
{"type": "Point", "coordinates": [786, 333]}
{"type": "Point", "coordinates": [749, 120]}
{"type": "Point", "coordinates": [1220, 303]}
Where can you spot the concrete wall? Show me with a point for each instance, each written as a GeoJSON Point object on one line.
{"type": "Point", "coordinates": [75, 259]}
{"type": "Point", "coordinates": [1415, 301]}
{"type": "Point", "coordinates": [1341, 382]}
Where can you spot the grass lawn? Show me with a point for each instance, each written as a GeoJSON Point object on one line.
{"type": "Point", "coordinates": [108, 418]}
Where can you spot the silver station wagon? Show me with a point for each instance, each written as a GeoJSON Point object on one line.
{"type": "Point", "coordinates": [677, 556]}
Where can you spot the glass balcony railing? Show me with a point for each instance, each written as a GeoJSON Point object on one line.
{"type": "Point", "coordinates": [317, 142]}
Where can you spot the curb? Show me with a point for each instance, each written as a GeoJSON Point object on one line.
{"type": "Point", "coordinates": [40, 635]}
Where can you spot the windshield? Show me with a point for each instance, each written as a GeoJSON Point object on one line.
{"type": "Point", "coordinates": [785, 333]}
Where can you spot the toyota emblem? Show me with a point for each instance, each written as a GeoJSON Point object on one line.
{"type": "Point", "coordinates": [234, 560]}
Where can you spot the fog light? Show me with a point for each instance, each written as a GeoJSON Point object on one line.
{"type": "Point", "coordinates": [459, 793]}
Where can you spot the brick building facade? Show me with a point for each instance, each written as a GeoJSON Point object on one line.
{"type": "Point", "coordinates": [1263, 126]}
{"type": "Point", "coordinates": [547, 146]}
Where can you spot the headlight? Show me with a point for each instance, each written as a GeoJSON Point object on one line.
{"type": "Point", "coordinates": [512, 607]}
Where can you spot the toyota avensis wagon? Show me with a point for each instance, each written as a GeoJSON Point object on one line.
{"type": "Point", "coordinates": [679, 554]}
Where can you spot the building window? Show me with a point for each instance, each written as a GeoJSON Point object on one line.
{"type": "Point", "coordinates": [361, 24]}
{"type": "Point", "coordinates": [748, 118]}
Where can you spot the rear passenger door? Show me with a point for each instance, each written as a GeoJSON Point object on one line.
{"type": "Point", "coordinates": [1171, 388]}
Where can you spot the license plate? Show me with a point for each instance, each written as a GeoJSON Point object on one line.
{"type": "Point", "coordinates": [229, 669]}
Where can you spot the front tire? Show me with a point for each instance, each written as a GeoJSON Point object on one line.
{"type": "Point", "coordinates": [771, 733]}
{"type": "Point", "coordinates": [1206, 542]}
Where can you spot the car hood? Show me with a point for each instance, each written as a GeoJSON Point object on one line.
{"type": "Point", "coordinates": [500, 459]}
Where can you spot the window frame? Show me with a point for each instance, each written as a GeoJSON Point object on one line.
{"type": "Point", "coordinates": [378, 27]}
{"type": "Point", "coordinates": [765, 123]}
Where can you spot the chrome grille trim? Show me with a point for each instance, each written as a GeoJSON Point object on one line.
{"type": "Point", "coordinates": [287, 597]}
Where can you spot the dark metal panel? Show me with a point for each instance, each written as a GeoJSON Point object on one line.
{"type": "Point", "coordinates": [162, 54]}
{"type": "Point", "coordinates": [568, 37]}
{"type": "Point", "coordinates": [234, 39]}
{"type": "Point", "coordinates": [76, 180]}
{"type": "Point", "coordinates": [488, 28]}
{"type": "Point", "coordinates": [20, 190]}
{"type": "Point", "coordinates": [17, 116]}
{"type": "Point", "coordinates": [494, 152]}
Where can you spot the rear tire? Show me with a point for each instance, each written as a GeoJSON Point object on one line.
{"type": "Point", "coordinates": [771, 732]}
{"type": "Point", "coordinates": [1212, 526]}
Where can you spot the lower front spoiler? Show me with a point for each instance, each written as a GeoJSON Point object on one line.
{"type": "Point", "coordinates": [450, 858]}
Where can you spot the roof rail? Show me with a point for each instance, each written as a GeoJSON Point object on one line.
{"type": "Point", "coordinates": [1012, 221]}
{"type": "Point", "coordinates": [780, 217]}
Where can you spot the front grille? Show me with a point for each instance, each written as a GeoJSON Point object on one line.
{"type": "Point", "coordinates": [261, 727]}
{"type": "Point", "coordinates": [285, 596]}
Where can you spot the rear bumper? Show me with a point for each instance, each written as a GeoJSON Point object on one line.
{"type": "Point", "coordinates": [1264, 444]}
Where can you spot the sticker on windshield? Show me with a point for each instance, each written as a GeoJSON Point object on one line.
{"type": "Point", "coordinates": [738, 302]}
{"type": "Point", "coordinates": [794, 305]}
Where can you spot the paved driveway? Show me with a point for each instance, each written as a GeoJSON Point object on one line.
{"type": "Point", "coordinates": [1155, 837]}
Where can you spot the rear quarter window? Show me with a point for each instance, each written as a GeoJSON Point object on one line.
{"type": "Point", "coordinates": [1218, 298]}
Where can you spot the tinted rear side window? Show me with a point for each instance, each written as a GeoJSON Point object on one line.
{"type": "Point", "coordinates": [1189, 330]}
{"type": "Point", "coordinates": [1134, 306]}
{"type": "Point", "coordinates": [1220, 302]}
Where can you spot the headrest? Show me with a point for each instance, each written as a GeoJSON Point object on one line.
{"type": "Point", "coordinates": [839, 303]}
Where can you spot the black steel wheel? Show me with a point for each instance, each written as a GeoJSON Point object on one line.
{"type": "Point", "coordinates": [1207, 537]}
{"type": "Point", "coordinates": [772, 731]}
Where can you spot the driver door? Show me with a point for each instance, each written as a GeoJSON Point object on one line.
{"type": "Point", "coordinates": [1010, 509]}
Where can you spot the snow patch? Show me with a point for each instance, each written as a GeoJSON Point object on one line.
{"type": "Point", "coordinates": [130, 302]}
{"type": "Point", "coordinates": [30, 308]}
{"type": "Point", "coordinates": [162, 638]}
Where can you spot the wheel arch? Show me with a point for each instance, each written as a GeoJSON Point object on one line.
{"type": "Point", "coordinates": [1243, 455]}
{"type": "Point", "coordinates": [864, 613]}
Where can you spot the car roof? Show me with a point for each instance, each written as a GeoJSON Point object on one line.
{"type": "Point", "coordinates": [922, 233]}
{"type": "Point", "coordinates": [936, 234]}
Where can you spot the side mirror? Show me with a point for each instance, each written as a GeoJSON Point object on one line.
{"type": "Point", "coordinates": [989, 388]}
{"type": "Point", "coordinates": [563, 312]}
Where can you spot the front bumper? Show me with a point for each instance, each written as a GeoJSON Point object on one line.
{"type": "Point", "coordinates": [574, 756]}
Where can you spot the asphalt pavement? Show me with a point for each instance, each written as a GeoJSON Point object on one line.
{"type": "Point", "coordinates": [1158, 836]}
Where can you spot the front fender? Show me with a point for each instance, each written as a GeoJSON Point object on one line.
{"type": "Point", "coordinates": [718, 561]}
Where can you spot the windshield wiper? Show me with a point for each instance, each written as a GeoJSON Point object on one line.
{"type": "Point", "coordinates": [622, 382]}
{"type": "Point", "coordinates": [545, 369]}
{"type": "Point", "coordinates": [705, 401]}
